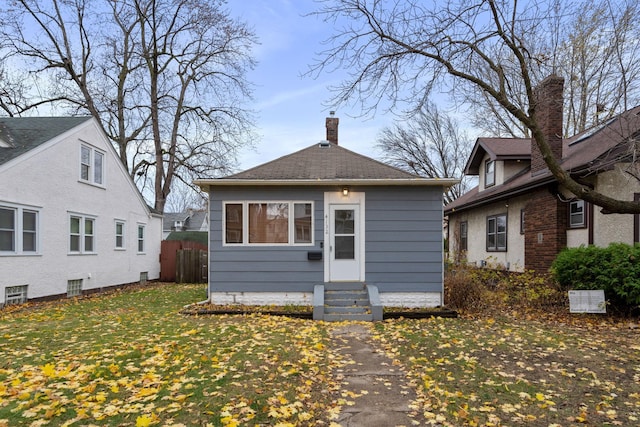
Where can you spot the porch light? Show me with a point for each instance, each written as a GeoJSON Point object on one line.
{"type": "Point", "coordinates": [345, 191]}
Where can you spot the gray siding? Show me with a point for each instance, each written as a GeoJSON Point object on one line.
{"type": "Point", "coordinates": [264, 268]}
{"type": "Point", "coordinates": [403, 243]}
{"type": "Point", "coordinates": [404, 239]}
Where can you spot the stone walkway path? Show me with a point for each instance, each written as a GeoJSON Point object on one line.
{"type": "Point", "coordinates": [379, 393]}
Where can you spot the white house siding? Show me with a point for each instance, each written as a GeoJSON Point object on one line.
{"type": "Point", "coordinates": [47, 179]}
{"type": "Point", "coordinates": [477, 252]}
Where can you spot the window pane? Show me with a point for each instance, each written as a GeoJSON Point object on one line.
{"type": "Point", "coordinates": [85, 162]}
{"type": "Point", "coordinates": [28, 241]}
{"type": "Point", "coordinates": [502, 224]}
{"type": "Point", "coordinates": [88, 243]}
{"type": "Point", "coordinates": [345, 247]}
{"type": "Point", "coordinates": [491, 241]}
{"type": "Point", "coordinates": [344, 223]}
{"type": "Point", "coordinates": [268, 223]}
{"type": "Point", "coordinates": [7, 219]}
{"type": "Point", "coordinates": [302, 222]}
{"type": "Point", "coordinates": [97, 170]}
{"type": "Point", "coordinates": [29, 221]}
{"type": "Point", "coordinates": [491, 225]}
{"type": "Point", "coordinates": [140, 238]}
{"type": "Point", "coordinates": [233, 223]}
{"type": "Point", "coordinates": [7, 230]}
{"type": "Point", "coordinates": [501, 241]}
{"type": "Point", "coordinates": [74, 243]}
{"type": "Point", "coordinates": [88, 227]}
{"type": "Point", "coordinates": [75, 225]}
{"type": "Point", "coordinates": [119, 241]}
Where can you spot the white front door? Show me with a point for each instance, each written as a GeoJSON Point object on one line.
{"type": "Point", "coordinates": [344, 243]}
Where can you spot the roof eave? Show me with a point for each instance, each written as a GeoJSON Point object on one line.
{"type": "Point", "coordinates": [225, 182]}
{"type": "Point", "coordinates": [500, 196]}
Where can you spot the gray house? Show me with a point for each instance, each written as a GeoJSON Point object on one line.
{"type": "Point", "coordinates": [299, 228]}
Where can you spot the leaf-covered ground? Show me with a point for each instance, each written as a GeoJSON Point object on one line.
{"type": "Point", "coordinates": [508, 371]}
{"type": "Point", "coordinates": [131, 359]}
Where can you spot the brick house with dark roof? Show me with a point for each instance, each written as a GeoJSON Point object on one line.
{"type": "Point", "coordinates": [322, 216]}
{"type": "Point", "coordinates": [518, 216]}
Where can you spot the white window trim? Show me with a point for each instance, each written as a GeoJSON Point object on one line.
{"type": "Point", "coordinates": [144, 238]}
{"type": "Point", "coordinates": [92, 165]}
{"type": "Point", "coordinates": [245, 222]}
{"type": "Point", "coordinates": [486, 173]}
{"type": "Point", "coordinates": [82, 250]}
{"type": "Point", "coordinates": [583, 214]}
{"type": "Point", "coordinates": [124, 234]}
{"type": "Point", "coordinates": [19, 230]}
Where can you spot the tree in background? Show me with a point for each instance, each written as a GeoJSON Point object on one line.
{"type": "Point", "coordinates": [164, 78]}
{"type": "Point", "coordinates": [401, 50]}
{"type": "Point", "coordinates": [430, 144]}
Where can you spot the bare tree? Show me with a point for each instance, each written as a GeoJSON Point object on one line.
{"type": "Point", "coordinates": [165, 78]}
{"type": "Point", "coordinates": [399, 50]}
{"type": "Point", "coordinates": [430, 144]}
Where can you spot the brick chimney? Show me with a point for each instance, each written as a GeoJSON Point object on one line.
{"type": "Point", "coordinates": [332, 128]}
{"type": "Point", "coordinates": [548, 106]}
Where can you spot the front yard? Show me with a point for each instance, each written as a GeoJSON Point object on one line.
{"type": "Point", "coordinates": [130, 358]}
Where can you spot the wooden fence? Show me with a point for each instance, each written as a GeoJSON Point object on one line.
{"type": "Point", "coordinates": [183, 262]}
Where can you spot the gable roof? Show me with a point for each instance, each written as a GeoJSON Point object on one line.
{"type": "Point", "coordinates": [497, 149]}
{"type": "Point", "coordinates": [22, 134]}
{"type": "Point", "coordinates": [322, 164]}
{"type": "Point", "coordinates": [192, 220]}
{"type": "Point", "coordinates": [589, 152]}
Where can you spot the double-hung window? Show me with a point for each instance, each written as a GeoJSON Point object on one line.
{"type": "Point", "coordinates": [120, 235]}
{"type": "Point", "coordinates": [489, 173]}
{"type": "Point", "coordinates": [268, 223]}
{"type": "Point", "coordinates": [19, 230]}
{"type": "Point", "coordinates": [141, 230]}
{"type": "Point", "coordinates": [91, 165]}
{"type": "Point", "coordinates": [577, 214]}
{"type": "Point", "coordinates": [81, 234]}
{"type": "Point", "coordinates": [497, 233]}
{"type": "Point", "coordinates": [464, 230]}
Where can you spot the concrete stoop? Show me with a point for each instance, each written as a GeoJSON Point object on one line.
{"type": "Point", "coordinates": [336, 302]}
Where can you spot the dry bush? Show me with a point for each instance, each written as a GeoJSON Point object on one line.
{"type": "Point", "coordinates": [474, 290]}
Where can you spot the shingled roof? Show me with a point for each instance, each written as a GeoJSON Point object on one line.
{"type": "Point", "coordinates": [19, 135]}
{"type": "Point", "coordinates": [590, 152]}
{"type": "Point", "coordinates": [321, 164]}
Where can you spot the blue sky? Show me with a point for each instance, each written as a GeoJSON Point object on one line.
{"type": "Point", "coordinates": [291, 110]}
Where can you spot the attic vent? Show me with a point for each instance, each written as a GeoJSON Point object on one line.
{"type": "Point", "coordinates": [324, 144]}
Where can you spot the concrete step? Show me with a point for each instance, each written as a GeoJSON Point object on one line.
{"type": "Point", "coordinates": [347, 309]}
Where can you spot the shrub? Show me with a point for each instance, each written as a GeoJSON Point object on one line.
{"type": "Point", "coordinates": [473, 289]}
{"type": "Point", "coordinates": [615, 269]}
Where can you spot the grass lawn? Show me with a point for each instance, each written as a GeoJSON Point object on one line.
{"type": "Point", "coordinates": [130, 358]}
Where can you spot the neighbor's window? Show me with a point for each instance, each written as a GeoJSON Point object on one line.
{"type": "Point", "coordinates": [119, 234]}
{"type": "Point", "coordinates": [81, 234]}
{"type": "Point", "coordinates": [577, 216]}
{"type": "Point", "coordinates": [272, 223]}
{"type": "Point", "coordinates": [15, 294]}
{"type": "Point", "coordinates": [18, 230]}
{"type": "Point", "coordinates": [489, 173]}
{"type": "Point", "coordinates": [74, 288]}
{"type": "Point", "coordinates": [522, 219]}
{"type": "Point", "coordinates": [464, 226]}
{"type": "Point", "coordinates": [497, 233]}
{"type": "Point", "coordinates": [140, 238]}
{"type": "Point", "coordinates": [91, 165]}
